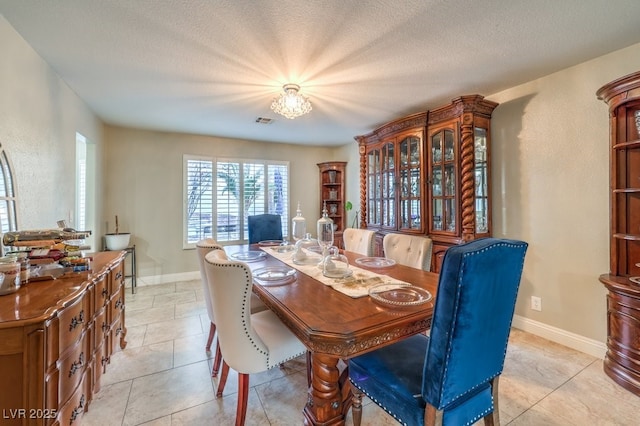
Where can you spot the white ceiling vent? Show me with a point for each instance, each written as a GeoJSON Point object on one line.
{"type": "Point", "coordinates": [264, 120]}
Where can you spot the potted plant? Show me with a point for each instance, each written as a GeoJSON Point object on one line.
{"type": "Point", "coordinates": [348, 206]}
{"type": "Point", "coordinates": [117, 240]}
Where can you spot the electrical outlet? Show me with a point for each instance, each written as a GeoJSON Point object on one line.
{"type": "Point", "coordinates": [536, 303]}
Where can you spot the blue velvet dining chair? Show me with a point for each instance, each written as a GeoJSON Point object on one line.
{"type": "Point", "coordinates": [264, 227]}
{"type": "Point", "coordinates": [451, 376]}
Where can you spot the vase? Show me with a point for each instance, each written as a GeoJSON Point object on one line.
{"type": "Point", "coordinates": [117, 241]}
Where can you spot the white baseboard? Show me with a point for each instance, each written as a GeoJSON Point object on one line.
{"type": "Point", "coordinates": [563, 337]}
{"type": "Point", "coordinates": [164, 279]}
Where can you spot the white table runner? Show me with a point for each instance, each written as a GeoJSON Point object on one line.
{"type": "Point", "coordinates": [357, 285]}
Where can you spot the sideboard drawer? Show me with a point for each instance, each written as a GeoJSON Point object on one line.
{"type": "Point", "coordinates": [116, 305]}
{"type": "Point", "coordinates": [72, 411]}
{"type": "Point", "coordinates": [72, 368]}
{"type": "Point", "coordinates": [72, 323]}
{"type": "Point", "coordinates": [117, 331]}
{"type": "Point", "coordinates": [117, 277]}
{"type": "Point", "coordinates": [101, 327]}
{"type": "Point", "coordinates": [102, 293]}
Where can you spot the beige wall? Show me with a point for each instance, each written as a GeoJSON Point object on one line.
{"type": "Point", "coordinates": [39, 118]}
{"type": "Point", "coordinates": [144, 187]}
{"type": "Point", "coordinates": [550, 188]}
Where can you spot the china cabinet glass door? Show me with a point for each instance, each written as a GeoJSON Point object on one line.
{"type": "Point", "coordinates": [443, 181]}
{"type": "Point", "coordinates": [481, 180]}
{"type": "Point", "coordinates": [388, 186]}
{"type": "Point", "coordinates": [409, 184]}
{"type": "Point", "coordinates": [374, 188]}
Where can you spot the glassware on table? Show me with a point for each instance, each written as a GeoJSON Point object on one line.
{"type": "Point", "coordinates": [335, 265]}
{"type": "Point", "coordinates": [299, 225]}
{"type": "Point", "coordinates": [325, 231]}
{"type": "Point", "coordinates": [307, 251]}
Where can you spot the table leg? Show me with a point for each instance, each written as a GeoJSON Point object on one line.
{"type": "Point", "coordinates": [329, 394]}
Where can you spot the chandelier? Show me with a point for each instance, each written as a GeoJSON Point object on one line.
{"type": "Point", "coordinates": [291, 104]}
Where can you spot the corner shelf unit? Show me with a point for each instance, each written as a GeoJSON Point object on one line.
{"type": "Point", "coordinates": [622, 360]}
{"type": "Point", "coordinates": [332, 192]}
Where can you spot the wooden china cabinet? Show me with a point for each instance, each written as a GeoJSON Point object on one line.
{"type": "Point", "coordinates": [429, 174]}
{"type": "Point", "coordinates": [622, 361]}
{"type": "Point", "coordinates": [332, 192]}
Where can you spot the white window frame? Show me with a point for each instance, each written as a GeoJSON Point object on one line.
{"type": "Point", "coordinates": [8, 197]}
{"type": "Point", "coordinates": [242, 235]}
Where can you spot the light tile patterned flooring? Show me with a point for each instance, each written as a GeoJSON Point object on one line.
{"type": "Point", "coordinates": [163, 377]}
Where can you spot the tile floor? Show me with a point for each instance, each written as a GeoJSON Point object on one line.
{"type": "Point", "coordinates": [162, 377]}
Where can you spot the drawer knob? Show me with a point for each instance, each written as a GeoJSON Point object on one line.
{"type": "Point", "coordinates": [104, 292]}
{"type": "Point", "coordinates": [105, 326]}
{"type": "Point", "coordinates": [77, 320]}
{"type": "Point", "coordinates": [77, 411]}
{"type": "Point", "coordinates": [77, 365]}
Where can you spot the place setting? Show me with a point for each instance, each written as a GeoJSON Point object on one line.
{"type": "Point", "coordinates": [399, 295]}
{"type": "Point", "coordinates": [274, 275]}
{"type": "Point", "coordinates": [375, 262]}
{"type": "Point", "coordinates": [249, 256]}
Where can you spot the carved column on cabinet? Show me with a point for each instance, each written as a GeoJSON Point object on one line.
{"type": "Point", "coordinates": [362, 222]}
{"type": "Point", "coordinates": [467, 178]}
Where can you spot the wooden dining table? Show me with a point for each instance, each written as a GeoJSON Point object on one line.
{"type": "Point", "coordinates": [335, 327]}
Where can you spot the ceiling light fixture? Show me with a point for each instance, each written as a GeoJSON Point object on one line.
{"type": "Point", "coordinates": [291, 104]}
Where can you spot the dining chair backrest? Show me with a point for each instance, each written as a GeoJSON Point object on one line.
{"type": "Point", "coordinates": [474, 307]}
{"type": "Point", "coordinates": [202, 248]}
{"type": "Point", "coordinates": [230, 283]}
{"type": "Point", "coordinates": [264, 227]}
{"type": "Point", "coordinates": [408, 250]}
{"type": "Point", "coordinates": [358, 241]}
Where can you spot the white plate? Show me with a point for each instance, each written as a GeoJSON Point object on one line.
{"type": "Point", "coordinates": [375, 262]}
{"type": "Point", "coordinates": [635, 280]}
{"type": "Point", "coordinates": [399, 295]}
{"type": "Point", "coordinates": [274, 275]}
{"type": "Point", "coordinates": [249, 256]}
{"type": "Point", "coordinates": [269, 243]}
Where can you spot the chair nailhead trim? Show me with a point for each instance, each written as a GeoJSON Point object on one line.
{"type": "Point", "coordinates": [492, 375]}
{"type": "Point", "coordinates": [379, 404]}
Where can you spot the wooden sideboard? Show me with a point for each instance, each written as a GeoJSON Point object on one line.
{"type": "Point", "coordinates": [56, 339]}
{"type": "Point", "coordinates": [622, 361]}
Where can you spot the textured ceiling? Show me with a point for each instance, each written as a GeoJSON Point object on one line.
{"type": "Point", "coordinates": [213, 67]}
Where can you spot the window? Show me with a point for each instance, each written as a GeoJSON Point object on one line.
{"type": "Point", "coordinates": [81, 181]}
{"type": "Point", "coordinates": [85, 184]}
{"type": "Point", "coordinates": [219, 195]}
{"type": "Point", "coordinates": [8, 218]}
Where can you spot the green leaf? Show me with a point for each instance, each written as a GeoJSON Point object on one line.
{"type": "Point", "coordinates": [348, 206]}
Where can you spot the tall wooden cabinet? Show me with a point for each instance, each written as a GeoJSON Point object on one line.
{"type": "Point", "coordinates": [622, 361]}
{"type": "Point", "coordinates": [333, 193]}
{"type": "Point", "coordinates": [429, 173]}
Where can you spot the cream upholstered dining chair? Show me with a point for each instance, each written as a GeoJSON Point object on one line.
{"type": "Point", "coordinates": [203, 247]}
{"type": "Point", "coordinates": [250, 343]}
{"type": "Point", "coordinates": [408, 250]}
{"type": "Point", "coordinates": [358, 241]}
